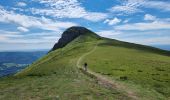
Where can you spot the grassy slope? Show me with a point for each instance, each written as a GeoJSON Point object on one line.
{"type": "Point", "coordinates": [146, 68]}
{"type": "Point", "coordinates": [56, 75]}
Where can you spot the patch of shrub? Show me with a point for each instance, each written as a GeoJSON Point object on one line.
{"type": "Point", "coordinates": [155, 74]}
{"type": "Point", "coordinates": [98, 72]}
{"type": "Point", "coordinates": [159, 69]}
{"type": "Point", "coordinates": [123, 77]}
{"type": "Point", "coordinates": [140, 71]}
{"type": "Point", "coordinates": [39, 75]}
{"type": "Point", "coordinates": [156, 79]}
{"type": "Point", "coordinates": [119, 69]}
{"type": "Point", "coordinates": [106, 63]}
{"type": "Point", "coordinates": [167, 81]}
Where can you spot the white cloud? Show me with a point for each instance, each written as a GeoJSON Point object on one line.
{"type": "Point", "coordinates": [32, 41]}
{"type": "Point", "coordinates": [18, 9]}
{"type": "Point", "coordinates": [134, 6]}
{"type": "Point", "coordinates": [94, 16]}
{"type": "Point", "coordinates": [67, 9]}
{"type": "Point", "coordinates": [108, 33]}
{"type": "Point", "coordinates": [106, 21]}
{"type": "Point", "coordinates": [2, 38]}
{"type": "Point", "coordinates": [30, 21]}
{"type": "Point", "coordinates": [26, 40]}
{"type": "Point", "coordinates": [10, 36]}
{"type": "Point", "coordinates": [113, 21]}
{"type": "Point", "coordinates": [126, 21]}
{"type": "Point", "coordinates": [6, 35]}
{"type": "Point", "coordinates": [19, 37]}
{"type": "Point", "coordinates": [25, 22]}
{"type": "Point", "coordinates": [157, 40]}
{"type": "Point", "coordinates": [156, 25]}
{"type": "Point", "coordinates": [141, 37]}
{"type": "Point", "coordinates": [128, 7]}
{"type": "Point", "coordinates": [22, 29]}
{"type": "Point", "coordinates": [162, 5]}
{"type": "Point", "coordinates": [149, 40]}
{"type": "Point", "coordinates": [30, 38]}
{"type": "Point", "coordinates": [8, 32]}
{"type": "Point", "coordinates": [21, 4]}
{"type": "Point", "coordinates": [149, 17]}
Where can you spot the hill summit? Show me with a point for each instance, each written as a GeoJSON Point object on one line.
{"type": "Point", "coordinates": [136, 72]}
{"type": "Point", "coordinates": [70, 34]}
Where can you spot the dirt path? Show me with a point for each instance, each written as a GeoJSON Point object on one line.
{"type": "Point", "coordinates": [84, 55]}
{"type": "Point", "coordinates": [106, 82]}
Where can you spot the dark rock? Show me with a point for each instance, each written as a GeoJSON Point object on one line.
{"type": "Point", "coordinates": [69, 35]}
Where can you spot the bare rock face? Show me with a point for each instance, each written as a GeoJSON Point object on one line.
{"type": "Point", "coordinates": [69, 35]}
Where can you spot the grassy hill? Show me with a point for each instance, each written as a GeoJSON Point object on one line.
{"type": "Point", "coordinates": [136, 70]}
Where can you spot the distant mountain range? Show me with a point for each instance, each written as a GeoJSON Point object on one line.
{"type": "Point", "coordinates": [164, 47]}
{"type": "Point", "coordinates": [21, 57]}
{"type": "Point", "coordinates": [12, 62]}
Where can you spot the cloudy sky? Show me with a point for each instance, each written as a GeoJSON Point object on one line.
{"type": "Point", "coordinates": [38, 24]}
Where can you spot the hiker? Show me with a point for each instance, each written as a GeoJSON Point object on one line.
{"type": "Point", "coordinates": [85, 66]}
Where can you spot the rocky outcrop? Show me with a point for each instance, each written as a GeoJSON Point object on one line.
{"type": "Point", "coordinates": [69, 35]}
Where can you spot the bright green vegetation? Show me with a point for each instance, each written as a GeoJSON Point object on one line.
{"type": "Point", "coordinates": [66, 84]}
{"type": "Point", "coordinates": [56, 76]}
{"type": "Point", "coordinates": [147, 68]}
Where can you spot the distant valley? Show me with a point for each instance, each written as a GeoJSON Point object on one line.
{"type": "Point", "coordinates": [12, 62]}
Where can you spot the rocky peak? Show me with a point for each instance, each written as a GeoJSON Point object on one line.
{"type": "Point", "coordinates": [69, 35]}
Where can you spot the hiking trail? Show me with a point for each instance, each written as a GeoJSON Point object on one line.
{"type": "Point", "coordinates": [104, 81]}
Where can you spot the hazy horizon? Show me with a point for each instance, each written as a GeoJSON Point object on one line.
{"type": "Point", "coordinates": [163, 47]}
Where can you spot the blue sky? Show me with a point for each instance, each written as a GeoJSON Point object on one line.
{"type": "Point", "coordinates": [38, 24]}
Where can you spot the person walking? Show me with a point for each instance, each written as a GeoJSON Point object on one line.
{"type": "Point", "coordinates": [85, 66]}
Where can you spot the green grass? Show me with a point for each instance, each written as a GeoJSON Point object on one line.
{"type": "Point", "coordinates": [70, 85]}
{"type": "Point", "coordinates": [143, 68]}
{"type": "Point", "coordinates": [55, 76]}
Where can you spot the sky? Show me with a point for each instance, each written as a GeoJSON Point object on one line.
{"type": "Point", "coordinates": [38, 24]}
